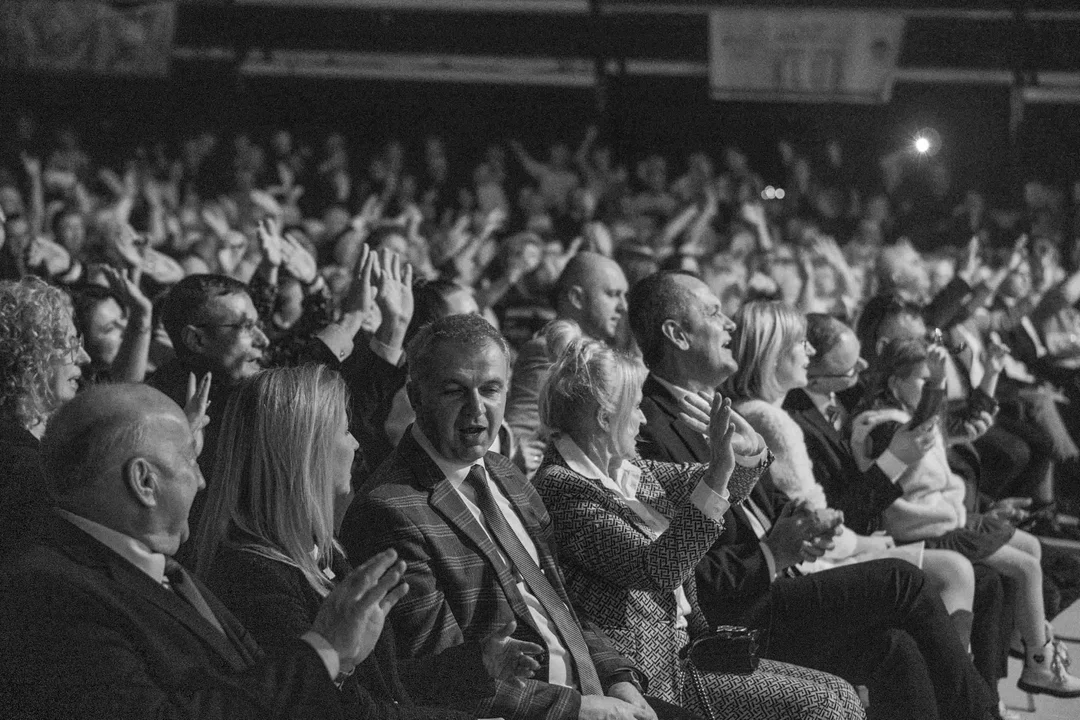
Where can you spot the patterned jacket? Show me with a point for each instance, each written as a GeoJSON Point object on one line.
{"type": "Point", "coordinates": [459, 591]}
{"type": "Point", "coordinates": [617, 574]}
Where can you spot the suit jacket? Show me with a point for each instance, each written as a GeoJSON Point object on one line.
{"type": "Point", "coordinates": [277, 604]}
{"type": "Point", "coordinates": [459, 589]}
{"type": "Point", "coordinates": [861, 496]}
{"type": "Point", "coordinates": [523, 402]}
{"type": "Point", "coordinates": [86, 634]}
{"type": "Point", "coordinates": [734, 575]}
{"type": "Point", "coordinates": [617, 574]}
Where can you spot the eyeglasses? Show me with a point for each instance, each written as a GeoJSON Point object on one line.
{"type": "Point", "coordinates": [857, 368]}
{"type": "Point", "coordinates": [247, 325]}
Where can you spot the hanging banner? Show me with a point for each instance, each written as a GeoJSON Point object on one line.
{"type": "Point", "coordinates": [86, 37]}
{"type": "Point", "coordinates": [803, 55]}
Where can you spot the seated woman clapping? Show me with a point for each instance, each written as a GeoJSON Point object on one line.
{"type": "Point", "coordinates": [265, 545]}
{"type": "Point", "coordinates": [630, 533]}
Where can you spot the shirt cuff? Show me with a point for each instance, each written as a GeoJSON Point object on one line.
{"type": "Point", "coordinates": [753, 461]}
{"type": "Point", "coordinates": [892, 466]}
{"type": "Point", "coordinates": [769, 560]}
{"type": "Point", "coordinates": [326, 652]}
{"type": "Point", "coordinates": [711, 503]}
{"type": "Point", "coordinates": [392, 355]}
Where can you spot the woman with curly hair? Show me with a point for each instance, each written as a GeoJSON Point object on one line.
{"type": "Point", "coordinates": [40, 355]}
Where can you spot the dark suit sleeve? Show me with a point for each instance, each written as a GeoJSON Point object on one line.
{"type": "Point", "coordinates": [68, 656]}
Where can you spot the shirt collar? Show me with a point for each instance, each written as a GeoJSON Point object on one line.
{"type": "Point", "coordinates": [627, 477]}
{"type": "Point", "coordinates": [453, 470]}
{"type": "Point", "coordinates": [134, 551]}
{"type": "Point", "coordinates": [822, 402]}
{"type": "Point", "coordinates": [675, 390]}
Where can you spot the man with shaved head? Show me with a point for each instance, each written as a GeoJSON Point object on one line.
{"type": "Point", "coordinates": [98, 621]}
{"type": "Point", "coordinates": [592, 292]}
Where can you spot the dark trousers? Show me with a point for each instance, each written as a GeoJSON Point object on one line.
{"type": "Point", "coordinates": [991, 629]}
{"type": "Point", "coordinates": [877, 624]}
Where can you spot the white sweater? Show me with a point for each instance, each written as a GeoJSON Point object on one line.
{"type": "Point", "coordinates": [933, 500]}
{"type": "Point", "coordinates": [791, 471]}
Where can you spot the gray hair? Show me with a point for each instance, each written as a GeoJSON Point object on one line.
{"type": "Point", "coordinates": [468, 330]}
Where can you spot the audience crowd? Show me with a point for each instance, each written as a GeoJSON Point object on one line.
{"type": "Point", "coordinates": [287, 431]}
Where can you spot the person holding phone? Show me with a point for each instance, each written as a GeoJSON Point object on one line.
{"type": "Point", "coordinates": [907, 383]}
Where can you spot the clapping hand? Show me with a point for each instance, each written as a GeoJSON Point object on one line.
{"type": "Point", "coordinates": [270, 240]}
{"type": "Point", "coordinates": [510, 660]}
{"type": "Point", "coordinates": [695, 411]}
{"type": "Point", "coordinates": [198, 401]}
{"type": "Point", "coordinates": [54, 257]}
{"type": "Point", "coordinates": [298, 261]}
{"type": "Point", "coordinates": [393, 287]}
{"type": "Point", "coordinates": [352, 616]}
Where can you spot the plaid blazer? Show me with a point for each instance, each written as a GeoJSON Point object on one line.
{"type": "Point", "coordinates": [458, 590]}
{"type": "Point", "coordinates": [621, 578]}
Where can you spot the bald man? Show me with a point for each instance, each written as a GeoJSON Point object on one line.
{"type": "Point", "coordinates": [97, 620]}
{"type": "Point", "coordinates": [592, 292]}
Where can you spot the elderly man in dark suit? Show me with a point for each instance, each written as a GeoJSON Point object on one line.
{"type": "Point", "coordinates": [477, 539]}
{"type": "Point", "coordinates": [873, 623]}
{"type": "Point", "coordinates": [98, 621]}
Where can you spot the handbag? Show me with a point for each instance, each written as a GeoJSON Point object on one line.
{"type": "Point", "coordinates": [731, 649]}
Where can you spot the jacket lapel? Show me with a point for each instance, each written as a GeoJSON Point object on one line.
{"type": "Point", "coordinates": [694, 442]}
{"type": "Point", "coordinates": [445, 501]}
{"type": "Point", "coordinates": [87, 551]}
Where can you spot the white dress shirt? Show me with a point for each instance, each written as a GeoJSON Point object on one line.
{"type": "Point", "coordinates": [559, 672]}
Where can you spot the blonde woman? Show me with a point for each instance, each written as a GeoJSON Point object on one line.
{"type": "Point", "coordinates": [773, 354]}
{"type": "Point", "coordinates": [631, 533]}
{"type": "Point", "coordinates": [265, 545]}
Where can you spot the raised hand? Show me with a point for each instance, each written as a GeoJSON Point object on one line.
{"type": "Point", "coordinates": [936, 360]}
{"type": "Point", "coordinates": [198, 401]}
{"type": "Point", "coordinates": [298, 261]}
{"type": "Point", "coordinates": [393, 288]}
{"type": "Point", "coordinates": [126, 286]}
{"type": "Point", "coordinates": [270, 240]}
{"type": "Point", "coordinates": [369, 216]}
{"type": "Point", "coordinates": [31, 164]}
{"type": "Point", "coordinates": [352, 616]}
{"type": "Point", "coordinates": [721, 430]}
{"type": "Point", "coordinates": [508, 659]}
{"type": "Point", "coordinates": [127, 244]}
{"type": "Point", "coordinates": [695, 412]}
{"type": "Point", "coordinates": [970, 267]}
{"type": "Point", "coordinates": [215, 219]}
{"type": "Point", "coordinates": [361, 298]}
{"type": "Point", "coordinates": [44, 253]}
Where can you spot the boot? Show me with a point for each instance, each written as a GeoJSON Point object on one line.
{"type": "Point", "coordinates": [1044, 672]}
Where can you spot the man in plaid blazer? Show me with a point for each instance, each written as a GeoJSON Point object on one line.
{"type": "Point", "coordinates": [461, 586]}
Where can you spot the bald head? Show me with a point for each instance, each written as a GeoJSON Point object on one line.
{"type": "Point", "coordinates": [123, 455]}
{"type": "Point", "coordinates": [592, 292]}
{"type": "Point", "coordinates": [99, 428]}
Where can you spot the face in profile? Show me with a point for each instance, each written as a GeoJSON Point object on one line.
{"type": "Point", "coordinates": [231, 339]}
{"type": "Point", "coordinates": [170, 449]}
{"type": "Point", "coordinates": [709, 331]}
{"type": "Point", "coordinates": [839, 368]}
{"type": "Point", "coordinates": [604, 300]}
{"type": "Point", "coordinates": [459, 407]}
{"type": "Point", "coordinates": [907, 385]}
{"type": "Point", "coordinates": [791, 369]}
{"type": "Point", "coordinates": [65, 372]}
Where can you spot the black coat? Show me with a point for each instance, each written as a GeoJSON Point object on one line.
{"type": "Point", "coordinates": [86, 634]}
{"type": "Point", "coordinates": [276, 603]}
